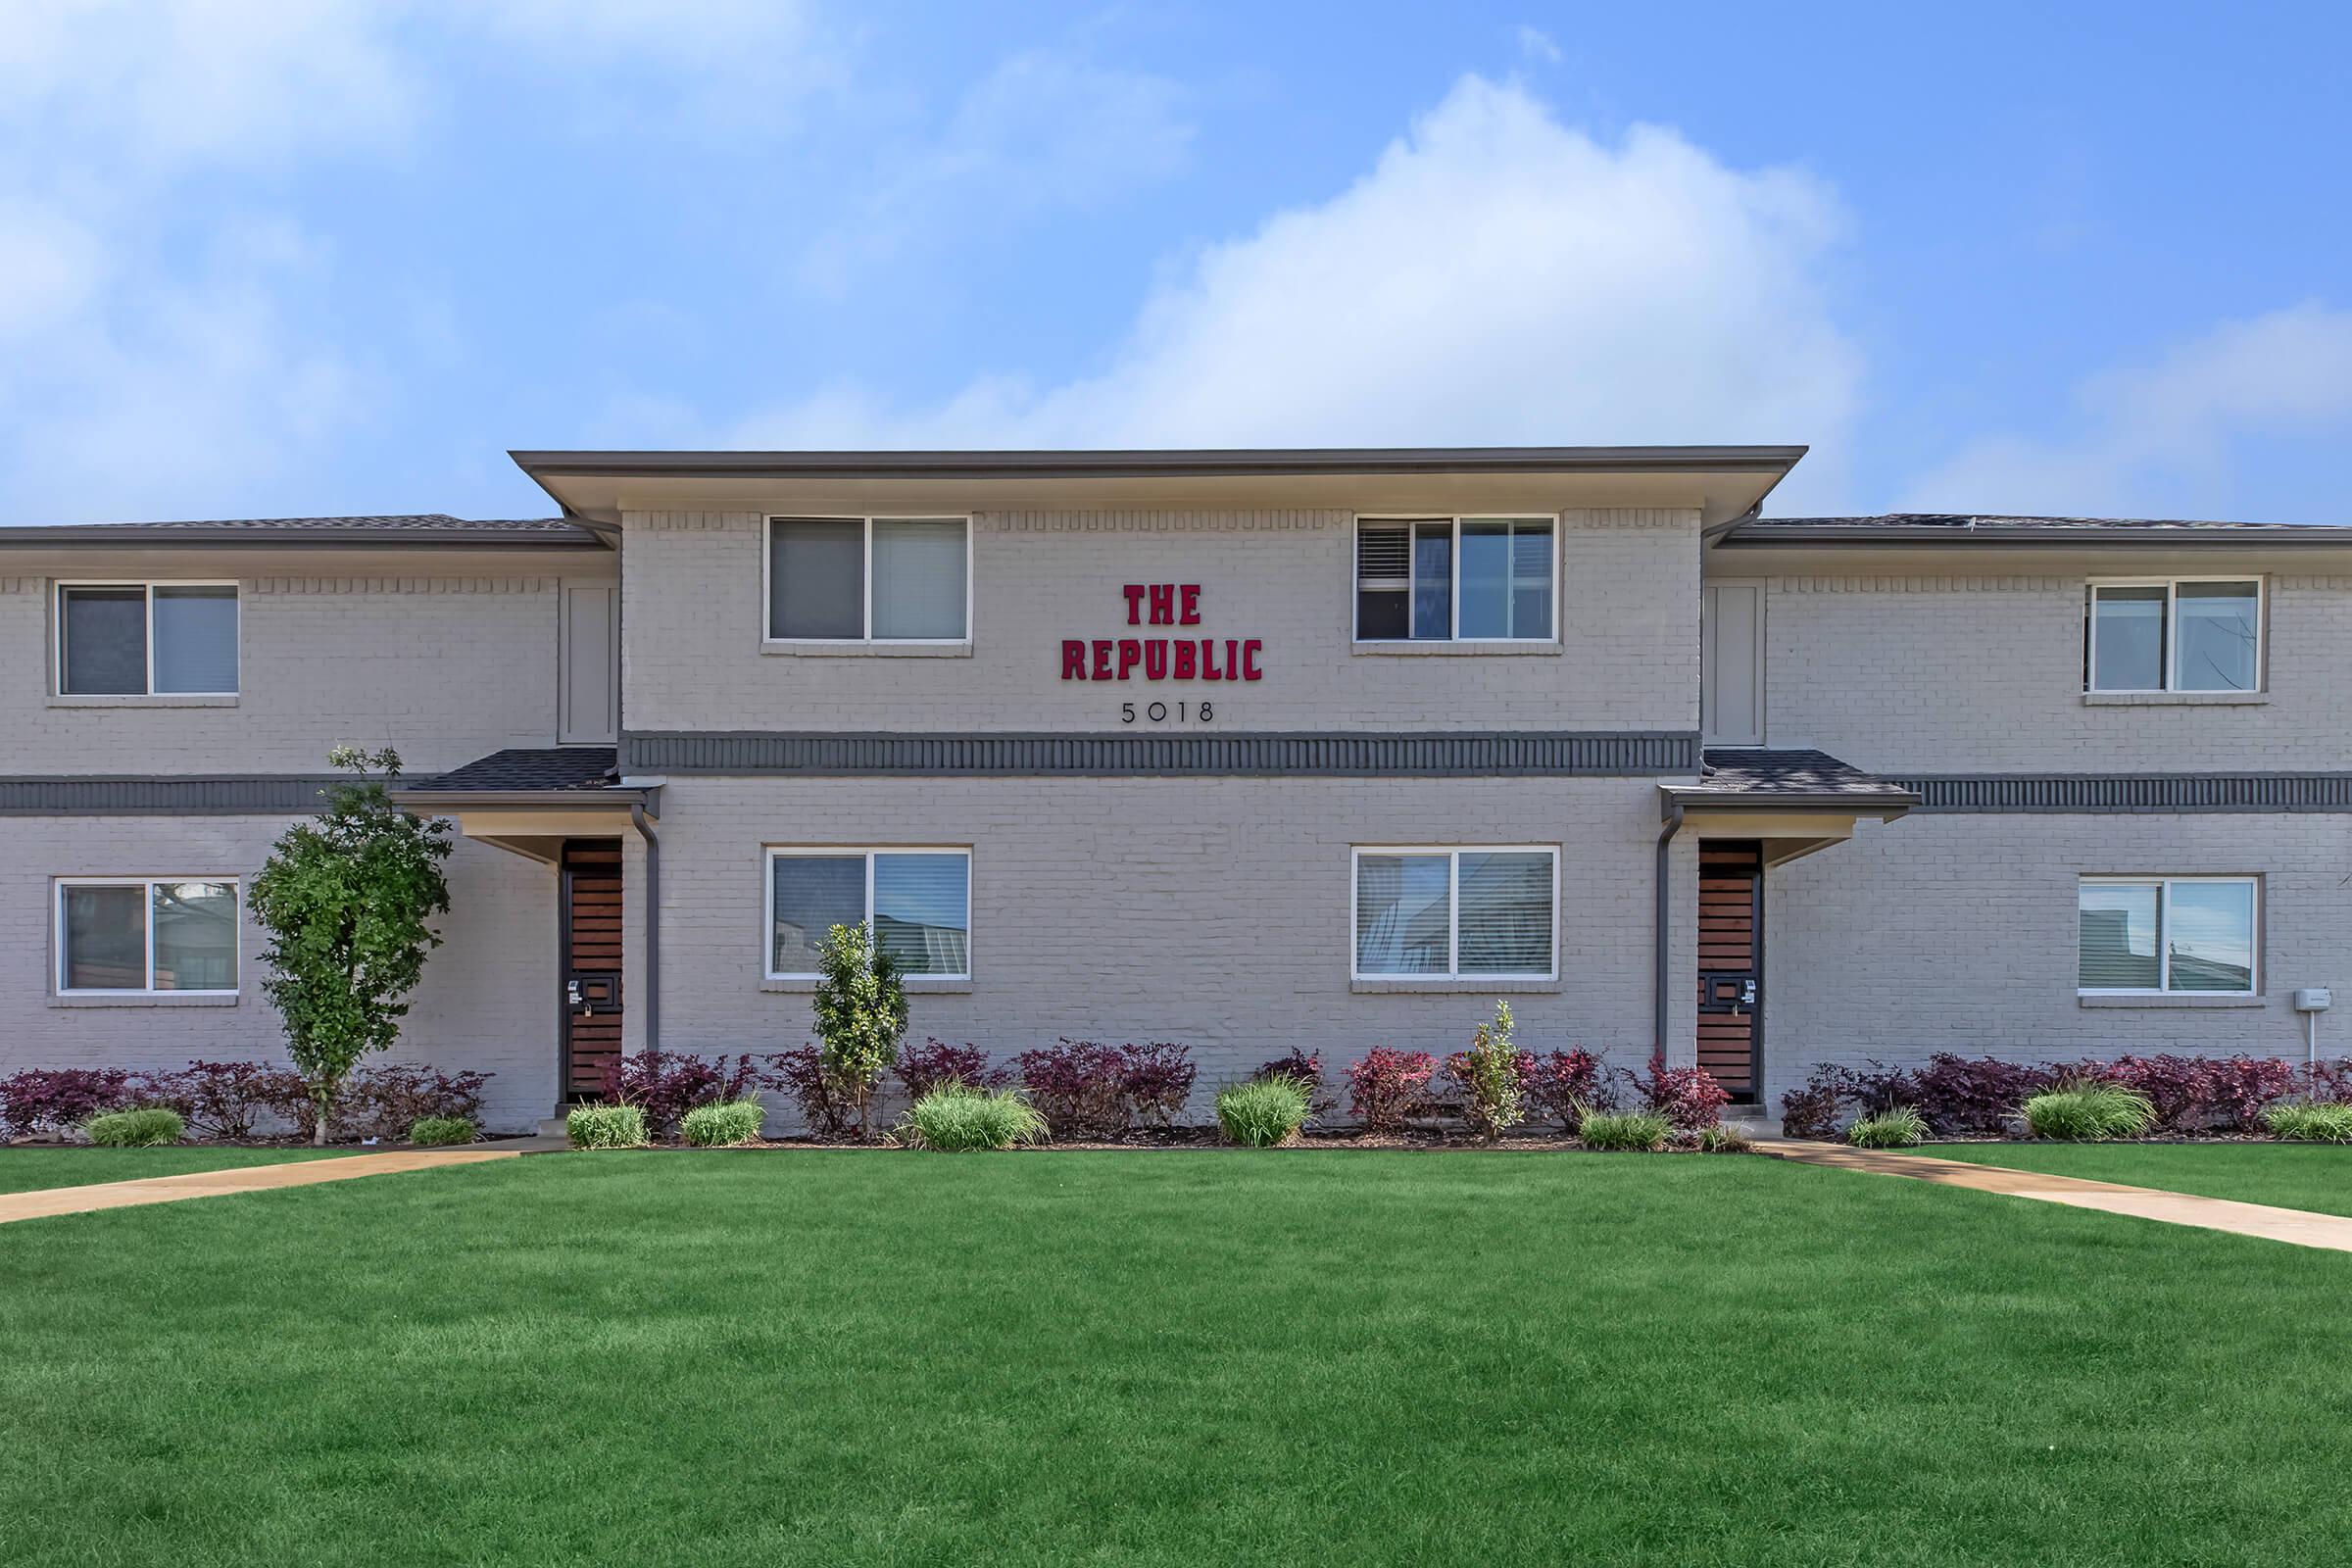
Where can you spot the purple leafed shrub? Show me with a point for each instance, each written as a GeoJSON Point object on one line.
{"type": "Point", "coordinates": [2329, 1082]}
{"type": "Point", "coordinates": [666, 1085]}
{"type": "Point", "coordinates": [1079, 1086]}
{"type": "Point", "coordinates": [386, 1101]}
{"type": "Point", "coordinates": [1308, 1067]}
{"type": "Point", "coordinates": [1690, 1098]}
{"type": "Point", "coordinates": [1562, 1085]}
{"type": "Point", "coordinates": [227, 1099]}
{"type": "Point", "coordinates": [1385, 1087]}
{"type": "Point", "coordinates": [1156, 1080]}
{"type": "Point", "coordinates": [2193, 1093]}
{"type": "Point", "coordinates": [57, 1098]}
{"type": "Point", "coordinates": [1975, 1095]}
{"type": "Point", "coordinates": [933, 1063]}
{"type": "Point", "coordinates": [828, 1108]}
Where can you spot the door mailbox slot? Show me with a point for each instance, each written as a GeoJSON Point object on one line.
{"type": "Point", "coordinates": [1726, 991]}
{"type": "Point", "coordinates": [593, 990]}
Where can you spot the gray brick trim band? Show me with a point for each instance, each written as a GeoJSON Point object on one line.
{"type": "Point", "coordinates": [226, 795]}
{"type": "Point", "coordinates": [1424, 756]}
{"type": "Point", "coordinates": [2110, 793]}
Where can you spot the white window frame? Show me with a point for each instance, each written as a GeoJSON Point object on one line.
{"type": "Point", "coordinates": [767, 608]}
{"type": "Point", "coordinates": [774, 853]}
{"type": "Point", "coordinates": [2171, 587]}
{"type": "Point", "coordinates": [57, 637]}
{"type": "Point", "coordinates": [1453, 627]}
{"type": "Point", "coordinates": [2164, 926]}
{"type": "Point", "coordinates": [57, 905]}
{"type": "Point", "coordinates": [1452, 972]}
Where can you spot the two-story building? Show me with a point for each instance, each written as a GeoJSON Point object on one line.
{"type": "Point", "coordinates": [1254, 751]}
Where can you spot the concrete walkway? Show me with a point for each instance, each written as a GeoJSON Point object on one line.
{"type": "Point", "coordinates": [2300, 1227]}
{"type": "Point", "coordinates": [44, 1202]}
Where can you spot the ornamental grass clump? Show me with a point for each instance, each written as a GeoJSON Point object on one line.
{"type": "Point", "coordinates": [434, 1132]}
{"type": "Point", "coordinates": [1624, 1131]}
{"type": "Point", "coordinates": [2087, 1112]}
{"type": "Point", "coordinates": [606, 1127]}
{"type": "Point", "coordinates": [149, 1128]}
{"type": "Point", "coordinates": [953, 1119]}
{"type": "Point", "coordinates": [1900, 1128]}
{"type": "Point", "coordinates": [1264, 1112]}
{"type": "Point", "coordinates": [2301, 1122]}
{"type": "Point", "coordinates": [723, 1125]}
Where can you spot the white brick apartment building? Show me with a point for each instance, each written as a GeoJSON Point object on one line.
{"type": "Point", "coordinates": [1245, 750]}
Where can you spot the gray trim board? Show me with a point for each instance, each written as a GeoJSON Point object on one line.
{"type": "Point", "coordinates": [1247, 755]}
{"type": "Point", "coordinates": [1150, 464]}
{"type": "Point", "coordinates": [211, 795]}
{"type": "Point", "coordinates": [2112, 793]}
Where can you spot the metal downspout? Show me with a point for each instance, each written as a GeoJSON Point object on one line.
{"type": "Point", "coordinates": [1665, 977]}
{"type": "Point", "coordinates": [653, 925]}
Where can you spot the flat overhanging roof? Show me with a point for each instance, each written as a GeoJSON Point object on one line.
{"type": "Point", "coordinates": [1721, 482]}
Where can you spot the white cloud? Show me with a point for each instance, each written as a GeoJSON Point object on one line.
{"type": "Point", "coordinates": [1496, 278]}
{"type": "Point", "coordinates": [1538, 45]}
{"type": "Point", "coordinates": [2165, 439]}
{"type": "Point", "coordinates": [1043, 130]}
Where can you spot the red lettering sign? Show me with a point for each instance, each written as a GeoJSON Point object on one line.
{"type": "Point", "coordinates": [1161, 604]}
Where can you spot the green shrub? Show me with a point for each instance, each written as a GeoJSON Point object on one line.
{"type": "Point", "coordinates": [2090, 1112]}
{"type": "Point", "coordinates": [1900, 1128]}
{"type": "Point", "coordinates": [431, 1132]}
{"type": "Point", "coordinates": [953, 1121]}
{"type": "Point", "coordinates": [1721, 1138]}
{"type": "Point", "coordinates": [2302, 1123]}
{"type": "Point", "coordinates": [606, 1127]}
{"type": "Point", "coordinates": [1263, 1112]}
{"type": "Point", "coordinates": [729, 1122]}
{"type": "Point", "coordinates": [135, 1129]}
{"type": "Point", "coordinates": [1624, 1130]}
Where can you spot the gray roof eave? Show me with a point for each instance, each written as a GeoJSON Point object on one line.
{"type": "Point", "coordinates": [1148, 464]}
{"type": "Point", "coordinates": [1747, 536]}
{"type": "Point", "coordinates": [132, 536]}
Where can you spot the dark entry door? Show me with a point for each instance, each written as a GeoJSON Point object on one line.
{"type": "Point", "coordinates": [1731, 963]}
{"type": "Point", "coordinates": [591, 946]}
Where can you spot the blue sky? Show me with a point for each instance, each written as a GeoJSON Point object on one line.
{"type": "Point", "coordinates": [267, 259]}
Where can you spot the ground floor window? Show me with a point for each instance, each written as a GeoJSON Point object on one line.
{"type": "Point", "coordinates": [1447, 912]}
{"type": "Point", "coordinates": [146, 934]}
{"type": "Point", "coordinates": [2157, 933]}
{"type": "Point", "coordinates": [919, 902]}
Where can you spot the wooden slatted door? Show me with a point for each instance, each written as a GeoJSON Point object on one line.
{"type": "Point", "coordinates": [592, 964]}
{"type": "Point", "coordinates": [1730, 962]}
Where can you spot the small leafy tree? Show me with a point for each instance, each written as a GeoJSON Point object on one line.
{"type": "Point", "coordinates": [860, 1014]}
{"type": "Point", "coordinates": [344, 899]}
{"type": "Point", "coordinates": [1489, 1076]}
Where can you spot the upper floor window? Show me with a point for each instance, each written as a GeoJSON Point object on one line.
{"type": "Point", "coordinates": [2170, 933]}
{"type": "Point", "coordinates": [2174, 635]}
{"type": "Point", "coordinates": [1454, 580]}
{"type": "Point", "coordinates": [870, 580]}
{"type": "Point", "coordinates": [147, 639]}
{"type": "Point", "coordinates": [140, 935]}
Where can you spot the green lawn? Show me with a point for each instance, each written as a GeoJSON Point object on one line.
{"type": "Point", "coordinates": [2314, 1176]}
{"type": "Point", "coordinates": [22, 1170]}
{"type": "Point", "coordinates": [1188, 1357]}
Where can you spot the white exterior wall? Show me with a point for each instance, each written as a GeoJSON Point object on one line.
{"type": "Point", "coordinates": [1983, 674]}
{"type": "Point", "coordinates": [1956, 931]}
{"type": "Point", "coordinates": [443, 668]}
{"type": "Point", "coordinates": [1210, 912]}
{"type": "Point", "coordinates": [694, 609]}
{"type": "Point", "coordinates": [487, 1001]}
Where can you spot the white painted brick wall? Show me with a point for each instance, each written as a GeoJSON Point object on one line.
{"type": "Point", "coordinates": [1957, 933]}
{"type": "Point", "coordinates": [694, 606]}
{"type": "Point", "coordinates": [487, 1001]}
{"type": "Point", "coordinates": [1210, 911]}
{"type": "Point", "coordinates": [1984, 674]}
{"type": "Point", "coordinates": [444, 669]}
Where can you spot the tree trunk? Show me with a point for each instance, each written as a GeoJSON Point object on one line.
{"type": "Point", "coordinates": [320, 1097]}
